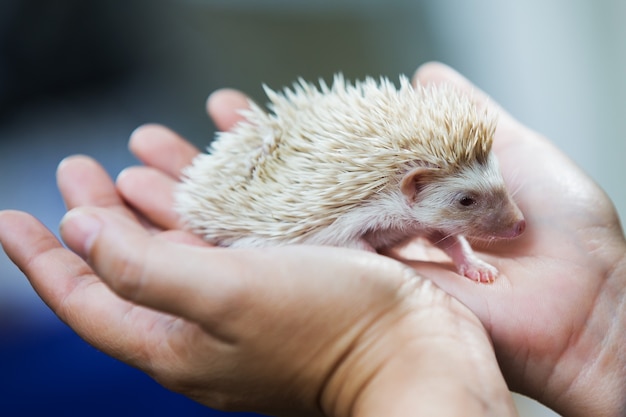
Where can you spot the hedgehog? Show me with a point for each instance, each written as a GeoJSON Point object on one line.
{"type": "Point", "coordinates": [366, 165]}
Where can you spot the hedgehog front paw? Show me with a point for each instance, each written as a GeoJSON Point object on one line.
{"type": "Point", "coordinates": [478, 270]}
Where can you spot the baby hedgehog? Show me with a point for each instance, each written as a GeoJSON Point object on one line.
{"type": "Point", "coordinates": [364, 165]}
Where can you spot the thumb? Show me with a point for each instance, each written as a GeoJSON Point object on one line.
{"type": "Point", "coordinates": [183, 280]}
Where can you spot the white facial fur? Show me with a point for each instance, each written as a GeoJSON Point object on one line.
{"type": "Point", "coordinates": [473, 202]}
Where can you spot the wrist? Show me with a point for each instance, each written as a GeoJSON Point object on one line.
{"type": "Point", "coordinates": [431, 356]}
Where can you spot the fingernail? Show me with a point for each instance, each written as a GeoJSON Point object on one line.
{"type": "Point", "coordinates": [79, 231]}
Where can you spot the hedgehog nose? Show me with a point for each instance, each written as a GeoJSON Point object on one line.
{"type": "Point", "coordinates": [519, 227]}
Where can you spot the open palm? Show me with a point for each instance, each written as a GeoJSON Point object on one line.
{"type": "Point", "coordinates": [550, 312]}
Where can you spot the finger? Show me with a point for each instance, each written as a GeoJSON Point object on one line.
{"type": "Point", "coordinates": [83, 182]}
{"type": "Point", "coordinates": [161, 148]}
{"type": "Point", "coordinates": [180, 236]}
{"type": "Point", "coordinates": [67, 284]}
{"type": "Point", "coordinates": [223, 106]}
{"type": "Point", "coordinates": [151, 193]}
{"type": "Point", "coordinates": [32, 247]}
{"type": "Point", "coordinates": [438, 73]}
{"type": "Point", "coordinates": [187, 281]}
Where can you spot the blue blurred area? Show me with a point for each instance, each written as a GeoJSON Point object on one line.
{"type": "Point", "coordinates": [51, 371]}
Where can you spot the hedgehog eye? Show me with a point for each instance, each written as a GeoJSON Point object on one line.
{"type": "Point", "coordinates": [467, 201]}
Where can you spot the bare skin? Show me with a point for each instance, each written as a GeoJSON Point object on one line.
{"type": "Point", "coordinates": [239, 337]}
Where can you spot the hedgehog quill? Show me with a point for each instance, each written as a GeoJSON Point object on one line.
{"type": "Point", "coordinates": [364, 165]}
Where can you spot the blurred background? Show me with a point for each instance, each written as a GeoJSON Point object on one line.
{"type": "Point", "coordinates": [78, 77]}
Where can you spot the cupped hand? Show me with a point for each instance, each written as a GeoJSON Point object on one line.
{"type": "Point", "coordinates": [556, 314]}
{"type": "Point", "coordinates": [298, 330]}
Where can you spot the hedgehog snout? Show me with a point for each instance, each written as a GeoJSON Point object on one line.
{"type": "Point", "coordinates": [519, 228]}
{"type": "Point", "coordinates": [510, 225]}
{"type": "Point", "coordinates": [516, 229]}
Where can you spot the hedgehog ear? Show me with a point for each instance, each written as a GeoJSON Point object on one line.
{"type": "Point", "coordinates": [414, 180]}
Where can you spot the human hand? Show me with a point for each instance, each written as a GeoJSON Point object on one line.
{"type": "Point", "coordinates": [556, 314]}
{"type": "Point", "coordinates": [294, 330]}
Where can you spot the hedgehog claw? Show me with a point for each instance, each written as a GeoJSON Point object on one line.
{"type": "Point", "coordinates": [467, 263]}
{"type": "Point", "coordinates": [478, 271]}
